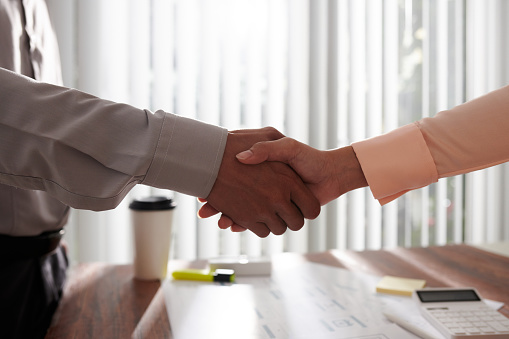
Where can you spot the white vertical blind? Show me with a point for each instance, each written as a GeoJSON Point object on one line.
{"type": "Point", "coordinates": [255, 51]}
{"type": "Point", "coordinates": [318, 49]}
{"type": "Point", "coordinates": [333, 97]}
{"type": "Point", "coordinates": [208, 241]}
{"type": "Point", "coordinates": [343, 43]}
{"type": "Point", "coordinates": [390, 112]}
{"type": "Point", "coordinates": [277, 47]}
{"type": "Point", "coordinates": [357, 116]}
{"type": "Point", "coordinates": [407, 35]}
{"type": "Point", "coordinates": [442, 95]}
{"type": "Point", "coordinates": [486, 43]}
{"type": "Point", "coordinates": [297, 92]}
{"type": "Point", "coordinates": [374, 102]}
{"type": "Point", "coordinates": [425, 94]}
{"type": "Point", "coordinates": [326, 72]}
{"type": "Point", "coordinates": [493, 81]}
{"type": "Point", "coordinates": [186, 70]}
{"type": "Point", "coordinates": [475, 86]}
{"type": "Point", "coordinates": [457, 98]}
{"type": "Point", "coordinates": [504, 33]}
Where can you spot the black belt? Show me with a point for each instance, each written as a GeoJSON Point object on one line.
{"type": "Point", "coordinates": [22, 248]}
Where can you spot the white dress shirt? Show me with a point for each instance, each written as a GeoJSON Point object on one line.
{"type": "Point", "coordinates": [60, 147]}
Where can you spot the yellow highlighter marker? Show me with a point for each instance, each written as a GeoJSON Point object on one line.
{"type": "Point", "coordinates": [219, 275]}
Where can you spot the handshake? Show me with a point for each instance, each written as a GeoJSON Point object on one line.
{"type": "Point", "coordinates": [268, 182]}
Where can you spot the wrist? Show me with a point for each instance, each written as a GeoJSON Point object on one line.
{"type": "Point", "coordinates": [348, 170]}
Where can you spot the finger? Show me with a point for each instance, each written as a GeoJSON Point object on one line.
{"type": "Point", "coordinates": [283, 150]}
{"type": "Point", "coordinates": [202, 199]}
{"type": "Point", "coordinates": [291, 216]}
{"type": "Point", "coordinates": [271, 133]}
{"type": "Point", "coordinates": [306, 202]}
{"type": "Point", "coordinates": [276, 224]}
{"type": "Point", "coordinates": [260, 229]}
{"type": "Point", "coordinates": [224, 222]}
{"type": "Point", "coordinates": [237, 228]}
{"type": "Point", "coordinates": [206, 211]}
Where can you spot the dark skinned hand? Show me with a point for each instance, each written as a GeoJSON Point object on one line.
{"type": "Point", "coordinates": [264, 198]}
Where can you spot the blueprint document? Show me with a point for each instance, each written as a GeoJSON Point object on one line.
{"type": "Point", "coordinates": [306, 301]}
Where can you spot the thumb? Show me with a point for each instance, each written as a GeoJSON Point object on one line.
{"type": "Point", "coordinates": [278, 150]}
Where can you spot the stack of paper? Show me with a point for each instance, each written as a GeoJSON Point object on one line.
{"type": "Point", "coordinates": [308, 301]}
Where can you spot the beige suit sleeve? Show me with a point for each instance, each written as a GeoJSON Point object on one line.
{"type": "Point", "coordinates": [469, 137]}
{"type": "Point", "coordinates": [88, 152]}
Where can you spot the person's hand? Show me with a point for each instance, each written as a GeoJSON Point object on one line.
{"type": "Point", "coordinates": [224, 222]}
{"type": "Point", "coordinates": [267, 197]}
{"type": "Point", "coordinates": [318, 169]}
{"type": "Point", "coordinates": [328, 174]}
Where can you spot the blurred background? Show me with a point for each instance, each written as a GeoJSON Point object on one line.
{"type": "Point", "coordinates": [325, 72]}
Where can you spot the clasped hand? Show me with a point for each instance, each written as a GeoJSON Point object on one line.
{"type": "Point", "coordinates": [264, 198]}
{"type": "Point", "coordinates": [256, 189]}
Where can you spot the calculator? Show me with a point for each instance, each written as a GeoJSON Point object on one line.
{"type": "Point", "coordinates": [461, 313]}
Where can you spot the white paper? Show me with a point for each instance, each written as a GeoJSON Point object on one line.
{"type": "Point", "coordinates": [308, 301]}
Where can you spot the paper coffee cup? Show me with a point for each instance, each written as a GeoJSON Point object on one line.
{"type": "Point", "coordinates": [151, 220]}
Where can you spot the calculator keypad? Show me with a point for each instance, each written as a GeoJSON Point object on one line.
{"type": "Point", "coordinates": [481, 321]}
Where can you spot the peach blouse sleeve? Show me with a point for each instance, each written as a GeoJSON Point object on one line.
{"type": "Point", "coordinates": [466, 138]}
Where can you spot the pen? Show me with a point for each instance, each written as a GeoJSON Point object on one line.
{"type": "Point", "coordinates": [409, 326]}
{"type": "Point", "coordinates": [219, 275]}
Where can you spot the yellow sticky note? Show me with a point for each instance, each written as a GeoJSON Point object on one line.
{"type": "Point", "coordinates": [399, 286]}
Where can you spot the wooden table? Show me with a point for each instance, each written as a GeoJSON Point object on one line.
{"type": "Point", "coordinates": [104, 301]}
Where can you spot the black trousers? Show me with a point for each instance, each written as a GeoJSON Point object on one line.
{"type": "Point", "coordinates": [29, 294]}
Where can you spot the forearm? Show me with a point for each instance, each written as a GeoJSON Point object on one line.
{"type": "Point", "coordinates": [466, 138]}
{"type": "Point", "coordinates": [470, 136]}
{"type": "Point", "coordinates": [89, 152]}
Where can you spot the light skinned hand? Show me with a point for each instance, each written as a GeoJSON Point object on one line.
{"type": "Point", "coordinates": [328, 174]}
{"type": "Point", "coordinates": [264, 198]}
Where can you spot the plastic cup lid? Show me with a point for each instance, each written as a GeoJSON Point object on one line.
{"type": "Point", "coordinates": [152, 203]}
